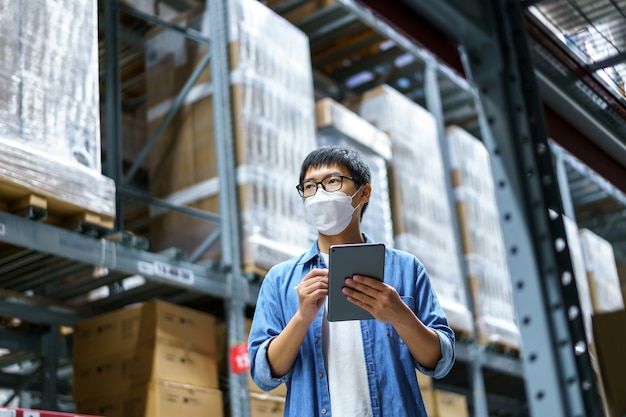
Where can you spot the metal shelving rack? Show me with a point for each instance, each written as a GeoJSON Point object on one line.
{"type": "Point", "coordinates": [552, 374]}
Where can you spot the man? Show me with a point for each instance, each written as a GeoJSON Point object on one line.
{"type": "Point", "coordinates": [350, 368]}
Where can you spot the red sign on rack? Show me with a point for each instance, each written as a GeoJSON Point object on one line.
{"type": "Point", "coordinates": [239, 358]}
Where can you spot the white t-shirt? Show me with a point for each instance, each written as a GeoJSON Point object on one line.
{"type": "Point", "coordinates": [344, 359]}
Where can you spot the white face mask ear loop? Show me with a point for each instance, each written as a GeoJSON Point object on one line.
{"type": "Point", "coordinates": [355, 193]}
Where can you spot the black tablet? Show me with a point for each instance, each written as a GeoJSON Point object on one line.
{"type": "Point", "coordinates": [366, 259]}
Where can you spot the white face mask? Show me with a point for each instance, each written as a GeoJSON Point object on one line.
{"type": "Point", "coordinates": [330, 212]}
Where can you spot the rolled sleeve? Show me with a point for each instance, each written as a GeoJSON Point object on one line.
{"type": "Point", "coordinates": [261, 371]}
{"type": "Point", "coordinates": [446, 343]}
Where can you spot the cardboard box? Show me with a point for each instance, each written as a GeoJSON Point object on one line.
{"type": "Point", "coordinates": [425, 382]}
{"type": "Point", "coordinates": [167, 399]}
{"type": "Point", "coordinates": [112, 375]}
{"type": "Point", "coordinates": [122, 330]}
{"type": "Point", "coordinates": [171, 322]}
{"type": "Point", "coordinates": [158, 399]}
{"type": "Point", "coordinates": [266, 407]}
{"type": "Point", "coordinates": [445, 404]}
{"type": "Point", "coordinates": [147, 362]}
{"type": "Point", "coordinates": [106, 334]}
{"type": "Point", "coordinates": [610, 344]}
{"type": "Point", "coordinates": [176, 364]}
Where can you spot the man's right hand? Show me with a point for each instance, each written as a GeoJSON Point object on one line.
{"type": "Point", "coordinates": [312, 292]}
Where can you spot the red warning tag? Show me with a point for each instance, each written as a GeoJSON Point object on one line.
{"type": "Point", "coordinates": [239, 358]}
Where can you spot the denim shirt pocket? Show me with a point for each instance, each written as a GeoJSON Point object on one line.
{"type": "Point", "coordinates": [391, 332]}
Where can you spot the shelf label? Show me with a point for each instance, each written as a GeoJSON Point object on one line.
{"type": "Point", "coordinates": [239, 358]}
{"type": "Point", "coordinates": [3, 230]}
{"type": "Point", "coordinates": [164, 270]}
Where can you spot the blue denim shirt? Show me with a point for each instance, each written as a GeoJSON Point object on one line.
{"type": "Point", "coordinates": [390, 367]}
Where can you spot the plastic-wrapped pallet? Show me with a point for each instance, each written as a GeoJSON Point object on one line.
{"type": "Point", "coordinates": [49, 106]}
{"type": "Point", "coordinates": [482, 240]}
{"type": "Point", "coordinates": [337, 125]}
{"type": "Point", "coordinates": [580, 274]}
{"type": "Point", "coordinates": [274, 130]}
{"type": "Point", "coordinates": [420, 206]}
{"type": "Point", "coordinates": [601, 269]}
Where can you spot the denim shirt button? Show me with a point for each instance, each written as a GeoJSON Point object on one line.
{"type": "Point", "coordinates": [321, 375]}
{"type": "Point", "coordinates": [317, 339]}
{"type": "Point", "coordinates": [323, 411]}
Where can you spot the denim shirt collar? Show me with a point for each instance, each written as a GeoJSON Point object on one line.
{"type": "Point", "coordinates": [314, 251]}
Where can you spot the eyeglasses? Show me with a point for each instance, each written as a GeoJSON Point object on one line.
{"type": "Point", "coordinates": [330, 183]}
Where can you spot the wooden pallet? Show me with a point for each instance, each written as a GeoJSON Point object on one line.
{"type": "Point", "coordinates": [501, 347]}
{"type": "Point", "coordinates": [33, 204]}
{"type": "Point", "coordinates": [461, 334]}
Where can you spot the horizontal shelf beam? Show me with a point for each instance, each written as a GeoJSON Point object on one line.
{"type": "Point", "coordinates": [114, 256]}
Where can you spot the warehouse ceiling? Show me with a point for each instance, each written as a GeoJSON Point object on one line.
{"type": "Point", "coordinates": [594, 32]}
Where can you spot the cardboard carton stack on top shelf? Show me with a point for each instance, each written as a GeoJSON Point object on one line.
{"type": "Point", "coordinates": [601, 270]}
{"type": "Point", "coordinates": [420, 205]}
{"type": "Point", "coordinates": [482, 240]}
{"type": "Point", "coordinates": [149, 360]}
{"type": "Point", "coordinates": [273, 128]}
{"type": "Point", "coordinates": [607, 319]}
{"type": "Point", "coordinates": [49, 112]}
{"type": "Point", "coordinates": [337, 125]}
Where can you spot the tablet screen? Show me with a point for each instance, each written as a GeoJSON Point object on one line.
{"type": "Point", "coordinates": [366, 259]}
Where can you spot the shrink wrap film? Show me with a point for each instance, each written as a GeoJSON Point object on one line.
{"type": "Point", "coordinates": [420, 205]}
{"type": "Point", "coordinates": [604, 285]}
{"type": "Point", "coordinates": [49, 106]}
{"type": "Point", "coordinates": [337, 125]}
{"type": "Point", "coordinates": [274, 129]}
{"type": "Point", "coordinates": [483, 242]}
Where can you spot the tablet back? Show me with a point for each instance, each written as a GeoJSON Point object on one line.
{"type": "Point", "coordinates": [366, 259]}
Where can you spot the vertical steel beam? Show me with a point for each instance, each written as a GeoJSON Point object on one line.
{"type": "Point", "coordinates": [50, 347]}
{"type": "Point", "coordinates": [219, 11]}
{"type": "Point", "coordinates": [113, 104]}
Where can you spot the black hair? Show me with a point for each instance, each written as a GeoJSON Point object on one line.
{"type": "Point", "coordinates": [343, 156]}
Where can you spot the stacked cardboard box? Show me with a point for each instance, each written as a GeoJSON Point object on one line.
{"type": "Point", "coordinates": [49, 107]}
{"type": "Point", "coordinates": [128, 362]}
{"type": "Point", "coordinates": [482, 240]}
{"type": "Point", "coordinates": [441, 403]}
{"type": "Point", "coordinates": [604, 285]}
{"type": "Point", "coordinates": [274, 130]}
{"type": "Point", "coordinates": [610, 345]}
{"type": "Point", "coordinates": [421, 212]}
{"type": "Point", "coordinates": [337, 125]}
